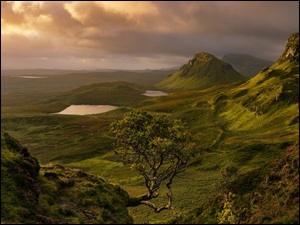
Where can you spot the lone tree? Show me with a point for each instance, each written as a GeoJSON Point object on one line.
{"type": "Point", "coordinates": [157, 147]}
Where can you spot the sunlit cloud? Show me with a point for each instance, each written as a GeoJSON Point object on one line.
{"type": "Point", "coordinates": [77, 11]}
{"type": "Point", "coordinates": [8, 29]}
{"type": "Point", "coordinates": [129, 8]}
{"type": "Point", "coordinates": [141, 33]}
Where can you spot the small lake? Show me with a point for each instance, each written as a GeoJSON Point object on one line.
{"type": "Point", "coordinates": [155, 93]}
{"type": "Point", "coordinates": [87, 109]}
{"type": "Point", "coordinates": [30, 77]}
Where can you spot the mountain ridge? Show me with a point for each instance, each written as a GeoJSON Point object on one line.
{"type": "Point", "coordinates": [204, 70]}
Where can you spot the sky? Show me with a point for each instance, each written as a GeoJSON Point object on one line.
{"type": "Point", "coordinates": [140, 34]}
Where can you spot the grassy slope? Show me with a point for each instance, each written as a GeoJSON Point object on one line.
{"type": "Point", "coordinates": [268, 195]}
{"type": "Point", "coordinates": [203, 71]}
{"type": "Point", "coordinates": [54, 194]}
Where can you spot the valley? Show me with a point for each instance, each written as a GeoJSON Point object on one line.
{"type": "Point", "coordinates": [246, 124]}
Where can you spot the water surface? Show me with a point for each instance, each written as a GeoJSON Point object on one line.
{"type": "Point", "coordinates": [155, 93]}
{"type": "Point", "coordinates": [87, 109]}
{"type": "Point", "coordinates": [30, 77]}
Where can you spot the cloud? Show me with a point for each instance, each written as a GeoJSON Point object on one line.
{"type": "Point", "coordinates": [120, 31]}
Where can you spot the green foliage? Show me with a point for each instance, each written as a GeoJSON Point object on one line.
{"type": "Point", "coordinates": [156, 146]}
{"type": "Point", "coordinates": [227, 215]}
{"type": "Point", "coordinates": [158, 137]}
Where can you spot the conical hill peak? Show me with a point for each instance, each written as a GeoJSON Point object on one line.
{"type": "Point", "coordinates": [202, 71]}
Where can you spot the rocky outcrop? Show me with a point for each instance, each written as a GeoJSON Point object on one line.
{"type": "Point", "coordinates": [26, 170]}
{"type": "Point", "coordinates": [291, 51]}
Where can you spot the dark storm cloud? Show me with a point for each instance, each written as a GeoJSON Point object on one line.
{"type": "Point", "coordinates": [103, 33]}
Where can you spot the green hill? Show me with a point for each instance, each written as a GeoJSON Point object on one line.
{"type": "Point", "coordinates": [201, 72]}
{"type": "Point", "coordinates": [118, 93]}
{"type": "Point", "coordinates": [247, 65]}
{"type": "Point", "coordinates": [53, 194]}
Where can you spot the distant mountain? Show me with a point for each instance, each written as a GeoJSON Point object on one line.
{"type": "Point", "coordinates": [201, 72]}
{"type": "Point", "coordinates": [247, 65]}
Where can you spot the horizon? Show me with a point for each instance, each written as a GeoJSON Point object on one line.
{"type": "Point", "coordinates": [120, 69]}
{"type": "Point", "coordinates": [140, 35]}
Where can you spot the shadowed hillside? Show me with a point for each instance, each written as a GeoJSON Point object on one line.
{"type": "Point", "coordinates": [53, 194]}
{"type": "Point", "coordinates": [201, 72]}
{"type": "Point", "coordinates": [247, 65]}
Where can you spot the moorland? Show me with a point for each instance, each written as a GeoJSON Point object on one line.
{"type": "Point", "coordinates": [246, 130]}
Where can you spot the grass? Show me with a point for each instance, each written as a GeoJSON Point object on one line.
{"type": "Point", "coordinates": [229, 131]}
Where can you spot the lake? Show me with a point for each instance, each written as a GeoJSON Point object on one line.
{"type": "Point", "coordinates": [30, 77]}
{"type": "Point", "coordinates": [155, 93]}
{"type": "Point", "coordinates": [87, 109]}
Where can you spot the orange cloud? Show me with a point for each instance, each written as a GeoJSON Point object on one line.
{"type": "Point", "coordinates": [151, 29]}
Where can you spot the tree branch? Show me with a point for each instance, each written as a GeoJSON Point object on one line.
{"type": "Point", "coordinates": [144, 199]}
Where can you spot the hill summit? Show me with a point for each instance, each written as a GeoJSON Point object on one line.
{"type": "Point", "coordinates": [202, 71]}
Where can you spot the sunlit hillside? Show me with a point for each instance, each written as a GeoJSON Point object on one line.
{"type": "Point", "coordinates": [201, 72]}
